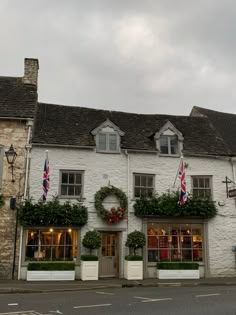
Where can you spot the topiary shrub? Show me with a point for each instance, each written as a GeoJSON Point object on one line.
{"type": "Point", "coordinates": [92, 240]}
{"type": "Point", "coordinates": [135, 240]}
{"type": "Point", "coordinates": [51, 266]}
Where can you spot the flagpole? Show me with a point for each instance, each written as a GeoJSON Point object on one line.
{"type": "Point", "coordinates": [181, 158]}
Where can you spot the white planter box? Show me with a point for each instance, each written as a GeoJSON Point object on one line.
{"type": "Point", "coordinates": [43, 275]}
{"type": "Point", "coordinates": [89, 270]}
{"type": "Point", "coordinates": [133, 270]}
{"type": "Point", "coordinates": [178, 274]}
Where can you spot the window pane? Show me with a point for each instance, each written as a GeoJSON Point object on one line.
{"type": "Point", "coordinates": [71, 178]}
{"type": "Point", "coordinates": [113, 142]}
{"type": "Point", "coordinates": [150, 181]}
{"type": "Point", "coordinates": [164, 144]}
{"type": "Point", "coordinates": [71, 190]}
{"type": "Point", "coordinates": [78, 178]}
{"type": "Point", "coordinates": [64, 178]}
{"type": "Point", "coordinates": [174, 145]}
{"type": "Point", "coordinates": [78, 190]}
{"type": "Point", "coordinates": [137, 180]}
{"type": "Point", "coordinates": [195, 182]}
{"type": "Point", "coordinates": [201, 182]}
{"type": "Point", "coordinates": [143, 181]}
{"type": "Point", "coordinates": [63, 190]}
{"type": "Point", "coordinates": [207, 183]}
{"type": "Point", "coordinates": [102, 142]}
{"type": "Point", "coordinates": [136, 192]}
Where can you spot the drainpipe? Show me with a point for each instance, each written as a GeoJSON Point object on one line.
{"type": "Point", "coordinates": [28, 148]}
{"type": "Point", "coordinates": [232, 160]}
{"type": "Point", "coordinates": [128, 166]}
{"type": "Point", "coordinates": [29, 124]}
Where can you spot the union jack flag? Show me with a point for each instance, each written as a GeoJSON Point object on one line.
{"type": "Point", "coordinates": [45, 178]}
{"type": "Point", "coordinates": [183, 193]}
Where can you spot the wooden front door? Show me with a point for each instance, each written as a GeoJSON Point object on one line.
{"type": "Point", "coordinates": [108, 258]}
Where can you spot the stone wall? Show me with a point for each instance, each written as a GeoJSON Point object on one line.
{"type": "Point", "coordinates": [15, 133]}
{"type": "Point", "coordinates": [101, 169]}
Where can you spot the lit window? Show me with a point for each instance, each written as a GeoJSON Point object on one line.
{"type": "Point", "coordinates": [143, 185]}
{"type": "Point", "coordinates": [71, 183]}
{"type": "Point", "coordinates": [107, 142]}
{"type": "Point", "coordinates": [201, 187]}
{"type": "Point", "coordinates": [168, 144]}
{"type": "Point", "coordinates": [51, 244]}
{"type": "Point", "coordinates": [174, 242]}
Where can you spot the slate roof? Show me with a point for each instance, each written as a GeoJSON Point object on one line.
{"type": "Point", "coordinates": [71, 125]}
{"type": "Point", "coordinates": [17, 100]}
{"type": "Point", "coordinates": [224, 123]}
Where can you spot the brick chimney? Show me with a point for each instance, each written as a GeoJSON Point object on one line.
{"type": "Point", "coordinates": [31, 71]}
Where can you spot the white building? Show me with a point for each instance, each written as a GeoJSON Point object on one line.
{"type": "Point", "coordinates": [138, 154]}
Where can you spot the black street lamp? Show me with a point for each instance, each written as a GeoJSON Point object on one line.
{"type": "Point", "coordinates": [11, 156]}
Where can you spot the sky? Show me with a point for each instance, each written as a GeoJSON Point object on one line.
{"type": "Point", "coordinates": [141, 56]}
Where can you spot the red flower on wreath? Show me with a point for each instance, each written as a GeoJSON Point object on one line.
{"type": "Point", "coordinates": [114, 215]}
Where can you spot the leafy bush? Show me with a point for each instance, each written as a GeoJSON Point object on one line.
{"type": "Point", "coordinates": [167, 205]}
{"type": "Point", "coordinates": [133, 258]}
{"type": "Point", "coordinates": [177, 265]}
{"type": "Point", "coordinates": [89, 257]}
{"type": "Point", "coordinates": [92, 240]}
{"type": "Point", "coordinates": [51, 266]}
{"type": "Point", "coordinates": [135, 240]}
{"type": "Point", "coordinates": [52, 213]}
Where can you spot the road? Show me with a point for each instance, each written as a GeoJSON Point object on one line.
{"type": "Point", "coordinates": [165, 301]}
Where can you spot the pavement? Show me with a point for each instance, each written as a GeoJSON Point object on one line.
{"type": "Point", "coordinates": [21, 286]}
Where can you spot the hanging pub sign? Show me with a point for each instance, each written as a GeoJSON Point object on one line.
{"type": "Point", "coordinates": [232, 193]}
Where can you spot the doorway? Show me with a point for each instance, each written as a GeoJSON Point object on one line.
{"type": "Point", "coordinates": [109, 255]}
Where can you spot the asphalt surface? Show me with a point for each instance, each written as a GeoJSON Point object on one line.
{"type": "Point", "coordinates": [21, 286]}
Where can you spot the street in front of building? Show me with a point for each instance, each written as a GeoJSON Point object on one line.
{"type": "Point", "coordinates": [167, 300]}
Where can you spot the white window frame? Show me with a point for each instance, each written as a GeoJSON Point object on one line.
{"type": "Point", "coordinates": [82, 184]}
{"type": "Point", "coordinates": [107, 135]}
{"type": "Point", "coordinates": [143, 187]}
{"type": "Point", "coordinates": [107, 128]}
{"type": "Point", "coordinates": [202, 188]}
{"type": "Point", "coordinates": [169, 144]}
{"type": "Point", "coordinates": [169, 131]}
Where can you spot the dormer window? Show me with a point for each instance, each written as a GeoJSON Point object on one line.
{"type": "Point", "coordinates": [107, 137]}
{"type": "Point", "coordinates": [168, 144]}
{"type": "Point", "coordinates": [107, 142]}
{"type": "Point", "coordinates": [169, 140]}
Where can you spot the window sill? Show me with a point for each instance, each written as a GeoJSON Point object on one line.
{"type": "Point", "coordinates": [170, 155]}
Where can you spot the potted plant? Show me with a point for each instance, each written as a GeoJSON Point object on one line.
{"type": "Point", "coordinates": [89, 262]}
{"type": "Point", "coordinates": [178, 270]}
{"type": "Point", "coordinates": [133, 265]}
{"type": "Point", "coordinates": [43, 271]}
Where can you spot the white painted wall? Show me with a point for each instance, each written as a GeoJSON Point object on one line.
{"type": "Point", "coordinates": [100, 169]}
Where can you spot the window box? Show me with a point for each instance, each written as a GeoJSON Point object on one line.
{"type": "Point", "coordinates": [50, 272]}
{"type": "Point", "coordinates": [178, 271]}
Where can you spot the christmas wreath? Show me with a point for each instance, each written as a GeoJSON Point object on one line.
{"type": "Point", "coordinates": [113, 215]}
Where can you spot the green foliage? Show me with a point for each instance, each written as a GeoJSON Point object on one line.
{"type": "Point", "coordinates": [92, 240]}
{"type": "Point", "coordinates": [52, 213]}
{"type": "Point", "coordinates": [2, 201]}
{"type": "Point", "coordinates": [135, 240]}
{"type": "Point", "coordinates": [89, 257]}
{"type": "Point", "coordinates": [114, 215]}
{"type": "Point", "coordinates": [134, 258]}
{"type": "Point", "coordinates": [167, 205]}
{"type": "Point", "coordinates": [51, 266]}
{"type": "Point", "coordinates": [177, 265]}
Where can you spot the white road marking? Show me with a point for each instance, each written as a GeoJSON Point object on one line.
{"type": "Point", "coordinates": [156, 300]}
{"type": "Point", "coordinates": [12, 304]}
{"type": "Point", "coordinates": [57, 312]}
{"type": "Point", "coordinates": [107, 293]}
{"type": "Point", "coordinates": [142, 298]}
{"type": "Point", "coordinates": [22, 313]}
{"type": "Point", "coordinates": [205, 295]}
{"type": "Point", "coordinates": [89, 306]}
